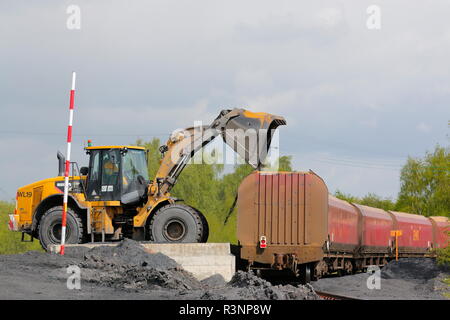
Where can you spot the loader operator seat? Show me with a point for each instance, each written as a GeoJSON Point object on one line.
{"type": "Point", "coordinates": [110, 173]}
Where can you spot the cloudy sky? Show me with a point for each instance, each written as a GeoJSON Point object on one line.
{"type": "Point", "coordinates": [358, 101]}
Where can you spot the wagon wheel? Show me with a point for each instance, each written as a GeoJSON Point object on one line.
{"type": "Point", "coordinates": [306, 274]}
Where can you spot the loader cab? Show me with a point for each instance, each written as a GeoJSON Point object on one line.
{"type": "Point", "coordinates": [117, 173]}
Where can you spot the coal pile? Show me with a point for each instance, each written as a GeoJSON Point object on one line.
{"type": "Point", "coordinates": [127, 253]}
{"type": "Point", "coordinates": [131, 266]}
{"type": "Point", "coordinates": [250, 286]}
{"type": "Point", "coordinates": [214, 281]}
{"type": "Point", "coordinates": [405, 279]}
{"type": "Point", "coordinates": [247, 286]}
{"type": "Point", "coordinates": [127, 271]}
{"type": "Point", "coordinates": [412, 268]}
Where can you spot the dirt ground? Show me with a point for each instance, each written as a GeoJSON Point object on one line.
{"type": "Point", "coordinates": [127, 272]}
{"type": "Point", "coordinates": [406, 279]}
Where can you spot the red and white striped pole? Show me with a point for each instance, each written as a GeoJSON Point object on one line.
{"type": "Point", "coordinates": [66, 173]}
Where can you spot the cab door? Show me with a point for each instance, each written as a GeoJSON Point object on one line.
{"type": "Point", "coordinates": [104, 175]}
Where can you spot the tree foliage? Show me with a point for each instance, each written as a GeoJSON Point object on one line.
{"type": "Point", "coordinates": [425, 184]}
{"type": "Point", "coordinates": [443, 254]}
{"type": "Point", "coordinates": [371, 200]}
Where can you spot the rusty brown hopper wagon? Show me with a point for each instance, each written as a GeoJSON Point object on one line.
{"type": "Point", "coordinates": [282, 221]}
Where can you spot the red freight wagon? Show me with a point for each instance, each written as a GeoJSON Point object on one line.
{"type": "Point", "coordinates": [441, 225]}
{"type": "Point", "coordinates": [342, 225]}
{"type": "Point", "coordinates": [376, 226]}
{"type": "Point", "coordinates": [417, 232]}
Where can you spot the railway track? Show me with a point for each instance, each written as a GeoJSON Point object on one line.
{"type": "Point", "coordinates": [332, 296]}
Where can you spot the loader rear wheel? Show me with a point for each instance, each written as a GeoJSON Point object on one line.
{"type": "Point", "coordinates": [178, 223]}
{"type": "Point", "coordinates": [50, 227]}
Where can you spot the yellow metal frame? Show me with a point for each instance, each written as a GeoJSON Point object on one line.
{"type": "Point", "coordinates": [114, 147]}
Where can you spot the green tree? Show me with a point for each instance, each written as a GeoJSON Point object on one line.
{"type": "Point", "coordinates": [425, 184]}
{"type": "Point", "coordinates": [154, 155]}
{"type": "Point", "coordinates": [371, 200]}
{"type": "Point", "coordinates": [346, 197]}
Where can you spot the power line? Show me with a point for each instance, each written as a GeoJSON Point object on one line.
{"type": "Point", "coordinates": [6, 193]}
{"type": "Point", "coordinates": [367, 165]}
{"type": "Point", "coordinates": [364, 162]}
{"type": "Point", "coordinates": [356, 165]}
{"type": "Point", "coordinates": [84, 134]}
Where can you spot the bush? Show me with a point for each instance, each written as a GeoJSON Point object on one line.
{"type": "Point", "coordinates": [443, 255]}
{"type": "Point", "coordinates": [10, 242]}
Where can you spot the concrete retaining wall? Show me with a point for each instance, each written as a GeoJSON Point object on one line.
{"type": "Point", "coordinates": [201, 259]}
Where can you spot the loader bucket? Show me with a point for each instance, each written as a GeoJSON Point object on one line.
{"type": "Point", "coordinates": [249, 134]}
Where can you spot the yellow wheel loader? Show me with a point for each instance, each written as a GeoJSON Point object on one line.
{"type": "Point", "coordinates": [113, 198]}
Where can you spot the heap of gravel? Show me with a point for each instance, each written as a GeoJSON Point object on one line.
{"type": "Point", "coordinates": [405, 279]}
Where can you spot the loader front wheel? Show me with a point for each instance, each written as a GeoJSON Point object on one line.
{"type": "Point", "coordinates": [51, 223]}
{"type": "Point", "coordinates": [178, 223]}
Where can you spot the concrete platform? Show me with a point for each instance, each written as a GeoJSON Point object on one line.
{"type": "Point", "coordinates": [201, 259]}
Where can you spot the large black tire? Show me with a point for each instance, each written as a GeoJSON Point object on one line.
{"type": "Point", "coordinates": [178, 223]}
{"type": "Point", "coordinates": [205, 227]}
{"type": "Point", "coordinates": [50, 227]}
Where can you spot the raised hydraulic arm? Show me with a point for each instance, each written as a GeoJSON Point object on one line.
{"type": "Point", "coordinates": [247, 133]}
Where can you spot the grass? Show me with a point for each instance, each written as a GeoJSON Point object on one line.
{"type": "Point", "coordinates": [220, 233]}
{"type": "Point", "coordinates": [10, 242]}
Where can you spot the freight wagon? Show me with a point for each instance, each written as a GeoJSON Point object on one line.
{"type": "Point", "coordinates": [288, 221]}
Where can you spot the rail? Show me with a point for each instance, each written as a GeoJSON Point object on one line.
{"type": "Point", "coordinates": [332, 296]}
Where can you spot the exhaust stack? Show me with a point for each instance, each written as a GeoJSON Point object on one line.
{"type": "Point", "coordinates": [61, 163]}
